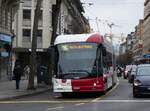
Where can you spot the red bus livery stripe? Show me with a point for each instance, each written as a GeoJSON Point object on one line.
{"type": "Point", "coordinates": [88, 85]}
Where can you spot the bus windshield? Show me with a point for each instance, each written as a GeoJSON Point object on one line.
{"type": "Point", "coordinates": [76, 60]}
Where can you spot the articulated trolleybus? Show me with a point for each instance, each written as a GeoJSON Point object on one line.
{"type": "Point", "coordinates": [81, 63]}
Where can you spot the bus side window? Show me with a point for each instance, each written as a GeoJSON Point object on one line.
{"type": "Point", "coordinates": [99, 61]}
{"type": "Point", "coordinates": [105, 63]}
{"type": "Point", "coordinates": [104, 52]}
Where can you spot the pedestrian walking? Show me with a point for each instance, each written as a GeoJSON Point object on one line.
{"type": "Point", "coordinates": [26, 71]}
{"type": "Point", "coordinates": [119, 71]}
{"type": "Point", "coordinates": [17, 73]}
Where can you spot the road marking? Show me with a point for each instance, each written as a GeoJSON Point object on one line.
{"type": "Point", "coordinates": [53, 102]}
{"type": "Point", "coordinates": [123, 101]}
{"type": "Point", "coordinates": [58, 102]}
{"type": "Point", "coordinates": [79, 104]}
{"type": "Point", "coordinates": [99, 98]}
{"type": "Point", "coordinates": [23, 102]}
{"type": "Point", "coordinates": [48, 109]}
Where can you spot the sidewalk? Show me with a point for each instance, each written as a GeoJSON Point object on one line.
{"type": "Point", "coordinates": [8, 91]}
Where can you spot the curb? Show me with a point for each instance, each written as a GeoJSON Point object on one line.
{"type": "Point", "coordinates": [26, 94]}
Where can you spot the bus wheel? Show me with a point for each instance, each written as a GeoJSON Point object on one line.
{"type": "Point", "coordinates": [64, 94]}
{"type": "Point", "coordinates": [103, 92]}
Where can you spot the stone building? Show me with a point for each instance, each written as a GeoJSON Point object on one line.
{"type": "Point", "coordinates": [71, 18]}
{"type": "Point", "coordinates": [138, 42]}
{"type": "Point", "coordinates": [7, 12]}
{"type": "Point", "coordinates": [146, 38]}
{"type": "Point", "coordinates": [70, 21]}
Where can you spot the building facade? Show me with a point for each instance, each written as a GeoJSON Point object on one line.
{"type": "Point", "coordinates": [7, 12]}
{"type": "Point", "coordinates": [70, 21]}
{"type": "Point", "coordinates": [138, 41]}
{"type": "Point", "coordinates": [129, 41]}
{"type": "Point", "coordinates": [122, 53]}
{"type": "Point", "coordinates": [23, 29]}
{"type": "Point", "coordinates": [146, 38]}
{"type": "Point", "coordinates": [122, 48]}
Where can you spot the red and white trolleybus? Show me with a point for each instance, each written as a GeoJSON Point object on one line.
{"type": "Point", "coordinates": [81, 63]}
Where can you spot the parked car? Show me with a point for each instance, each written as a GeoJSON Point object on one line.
{"type": "Point", "coordinates": [132, 73]}
{"type": "Point", "coordinates": [141, 84]}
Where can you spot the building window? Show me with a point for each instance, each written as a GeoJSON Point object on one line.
{"type": "Point", "coordinates": [26, 14]}
{"type": "Point", "coordinates": [27, 3]}
{"type": "Point", "coordinates": [26, 32]}
{"type": "Point", "coordinates": [39, 33]}
{"type": "Point", "coordinates": [40, 18]}
{"type": "Point", "coordinates": [40, 15]}
{"type": "Point", "coordinates": [39, 38]}
{"type": "Point", "coordinates": [26, 35]}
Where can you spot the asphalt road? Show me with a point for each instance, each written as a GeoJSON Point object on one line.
{"type": "Point", "coordinates": [118, 99]}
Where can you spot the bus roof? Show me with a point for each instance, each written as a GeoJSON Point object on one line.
{"type": "Point", "coordinates": [95, 38]}
{"type": "Point", "coordinates": [91, 38]}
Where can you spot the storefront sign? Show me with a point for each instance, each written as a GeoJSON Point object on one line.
{"type": "Point", "coordinates": [4, 54]}
{"type": "Point", "coordinates": [5, 38]}
{"type": "Point", "coordinates": [147, 56]}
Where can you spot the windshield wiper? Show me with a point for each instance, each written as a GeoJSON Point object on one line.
{"type": "Point", "coordinates": [75, 74]}
{"type": "Point", "coordinates": [78, 71]}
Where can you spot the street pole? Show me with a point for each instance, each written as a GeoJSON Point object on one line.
{"type": "Point", "coordinates": [55, 15]}
{"type": "Point", "coordinates": [34, 46]}
{"type": "Point", "coordinates": [111, 36]}
{"type": "Point", "coordinates": [97, 25]}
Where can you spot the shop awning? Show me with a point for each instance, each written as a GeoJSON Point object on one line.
{"type": "Point", "coordinates": [5, 38]}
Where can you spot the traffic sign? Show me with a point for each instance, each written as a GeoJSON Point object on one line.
{"type": "Point", "coordinates": [147, 56]}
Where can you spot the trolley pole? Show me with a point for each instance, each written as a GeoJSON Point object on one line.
{"type": "Point", "coordinates": [97, 25]}
{"type": "Point", "coordinates": [111, 36]}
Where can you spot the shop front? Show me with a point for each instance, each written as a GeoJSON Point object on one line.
{"type": "Point", "coordinates": [5, 64]}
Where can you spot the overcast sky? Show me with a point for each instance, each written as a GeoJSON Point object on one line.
{"type": "Point", "coordinates": [124, 13]}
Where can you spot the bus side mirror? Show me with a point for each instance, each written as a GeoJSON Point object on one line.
{"type": "Point", "coordinates": [103, 51]}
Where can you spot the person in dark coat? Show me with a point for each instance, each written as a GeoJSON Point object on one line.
{"type": "Point", "coordinates": [17, 73]}
{"type": "Point", "coordinates": [119, 71]}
